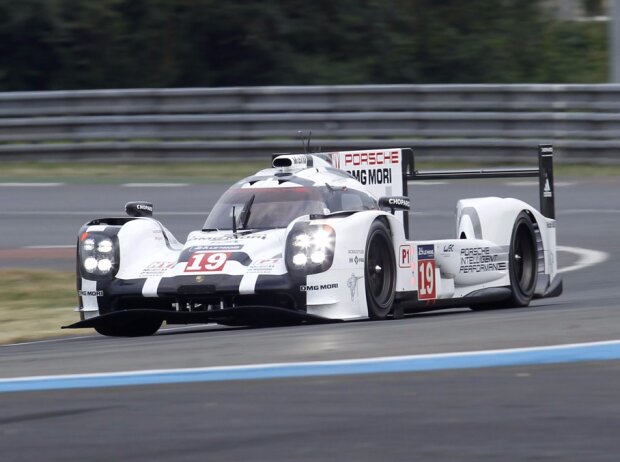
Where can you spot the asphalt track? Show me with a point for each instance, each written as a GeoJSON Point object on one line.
{"type": "Point", "coordinates": [566, 411]}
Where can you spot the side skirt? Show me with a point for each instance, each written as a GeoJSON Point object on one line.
{"type": "Point", "coordinates": [490, 295]}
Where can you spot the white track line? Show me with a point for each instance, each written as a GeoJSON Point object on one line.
{"type": "Point", "coordinates": [591, 211]}
{"type": "Point", "coordinates": [556, 354]}
{"type": "Point", "coordinates": [49, 246]}
{"type": "Point", "coordinates": [586, 258]}
{"type": "Point", "coordinates": [426, 183]}
{"type": "Point", "coordinates": [154, 185]}
{"type": "Point", "coordinates": [53, 340]}
{"type": "Point", "coordinates": [560, 184]}
{"type": "Point", "coordinates": [93, 213]}
{"type": "Point", "coordinates": [30, 185]}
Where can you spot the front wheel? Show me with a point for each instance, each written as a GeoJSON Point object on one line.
{"type": "Point", "coordinates": [379, 271]}
{"type": "Point", "coordinates": [134, 328]}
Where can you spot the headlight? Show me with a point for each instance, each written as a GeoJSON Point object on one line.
{"type": "Point", "coordinates": [300, 259]}
{"type": "Point", "coordinates": [302, 240]}
{"type": "Point", "coordinates": [98, 254]}
{"type": "Point", "coordinates": [310, 248]}
{"type": "Point", "coordinates": [317, 257]}
{"type": "Point", "coordinates": [104, 265]}
{"type": "Point", "coordinates": [90, 264]}
{"type": "Point", "coordinates": [105, 246]}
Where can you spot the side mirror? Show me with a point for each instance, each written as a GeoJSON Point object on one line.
{"type": "Point", "coordinates": [394, 203]}
{"type": "Point", "coordinates": [139, 209]}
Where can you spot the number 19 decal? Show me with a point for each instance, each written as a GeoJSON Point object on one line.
{"type": "Point", "coordinates": [206, 261]}
{"type": "Point", "coordinates": [426, 272]}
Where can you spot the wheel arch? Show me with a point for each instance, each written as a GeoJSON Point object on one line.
{"type": "Point", "coordinates": [490, 218]}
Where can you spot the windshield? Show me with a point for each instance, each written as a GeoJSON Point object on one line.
{"type": "Point", "coordinates": [270, 208]}
{"type": "Point", "coordinates": [276, 207]}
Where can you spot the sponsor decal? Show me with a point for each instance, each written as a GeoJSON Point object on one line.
{"type": "Point", "coordinates": [404, 252]}
{"type": "Point", "coordinates": [220, 247]}
{"type": "Point", "coordinates": [448, 248]}
{"type": "Point", "coordinates": [265, 265]}
{"type": "Point", "coordinates": [372, 158]}
{"type": "Point", "coordinates": [148, 208]}
{"type": "Point", "coordinates": [157, 268]}
{"type": "Point", "coordinates": [158, 235]}
{"type": "Point", "coordinates": [312, 288]}
{"type": "Point", "coordinates": [399, 201]}
{"type": "Point", "coordinates": [90, 293]}
{"type": "Point", "coordinates": [551, 225]}
{"type": "Point", "coordinates": [426, 252]}
{"type": "Point", "coordinates": [226, 237]}
{"type": "Point", "coordinates": [481, 259]}
{"type": "Point", "coordinates": [356, 256]}
{"type": "Point", "coordinates": [372, 176]}
{"type": "Point", "coordinates": [352, 285]}
{"type": "Point", "coordinates": [206, 261]}
{"type": "Point", "coordinates": [547, 190]}
{"type": "Point", "coordinates": [547, 150]}
{"type": "Point", "coordinates": [426, 272]}
{"type": "Point", "coordinates": [298, 159]}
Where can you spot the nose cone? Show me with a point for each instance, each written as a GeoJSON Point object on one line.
{"type": "Point", "coordinates": [223, 246]}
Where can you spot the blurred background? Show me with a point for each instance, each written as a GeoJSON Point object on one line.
{"type": "Point", "coordinates": [82, 44]}
{"type": "Point", "coordinates": [172, 80]}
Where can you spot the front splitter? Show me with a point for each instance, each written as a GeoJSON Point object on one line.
{"type": "Point", "coordinates": [238, 316]}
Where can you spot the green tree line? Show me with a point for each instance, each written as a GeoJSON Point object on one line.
{"type": "Point", "coordinates": [74, 44]}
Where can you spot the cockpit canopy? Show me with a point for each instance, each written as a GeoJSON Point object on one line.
{"type": "Point", "coordinates": [267, 208]}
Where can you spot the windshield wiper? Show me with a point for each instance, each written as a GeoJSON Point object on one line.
{"type": "Point", "coordinates": [244, 217]}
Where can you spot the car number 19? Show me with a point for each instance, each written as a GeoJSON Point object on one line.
{"type": "Point", "coordinates": [206, 261]}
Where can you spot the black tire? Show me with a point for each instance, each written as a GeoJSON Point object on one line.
{"type": "Point", "coordinates": [379, 271]}
{"type": "Point", "coordinates": [142, 328]}
{"type": "Point", "coordinates": [522, 266]}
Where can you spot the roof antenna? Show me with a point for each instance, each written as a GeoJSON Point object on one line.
{"type": "Point", "coordinates": [305, 140]}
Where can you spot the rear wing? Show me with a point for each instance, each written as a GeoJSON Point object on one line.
{"type": "Point", "coordinates": [544, 172]}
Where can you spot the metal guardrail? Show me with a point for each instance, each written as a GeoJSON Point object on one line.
{"type": "Point", "coordinates": [495, 122]}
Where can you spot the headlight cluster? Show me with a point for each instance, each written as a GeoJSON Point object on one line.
{"type": "Point", "coordinates": [98, 254]}
{"type": "Point", "coordinates": [310, 248]}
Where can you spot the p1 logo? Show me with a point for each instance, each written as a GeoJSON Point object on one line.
{"type": "Point", "coordinates": [426, 272]}
{"type": "Point", "coordinates": [404, 259]}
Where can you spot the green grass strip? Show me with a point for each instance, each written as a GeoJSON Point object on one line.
{"type": "Point", "coordinates": [206, 172]}
{"type": "Point", "coordinates": [35, 304]}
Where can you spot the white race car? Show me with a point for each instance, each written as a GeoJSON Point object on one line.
{"type": "Point", "coordinates": [317, 237]}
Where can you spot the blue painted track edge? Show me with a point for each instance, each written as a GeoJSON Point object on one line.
{"type": "Point", "coordinates": [599, 351]}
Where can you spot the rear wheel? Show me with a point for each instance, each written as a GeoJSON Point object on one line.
{"type": "Point", "coordinates": [140, 328]}
{"type": "Point", "coordinates": [379, 271]}
{"type": "Point", "coordinates": [523, 266]}
{"type": "Point", "coordinates": [523, 262]}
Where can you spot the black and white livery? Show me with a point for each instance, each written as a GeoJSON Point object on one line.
{"type": "Point", "coordinates": [318, 237]}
